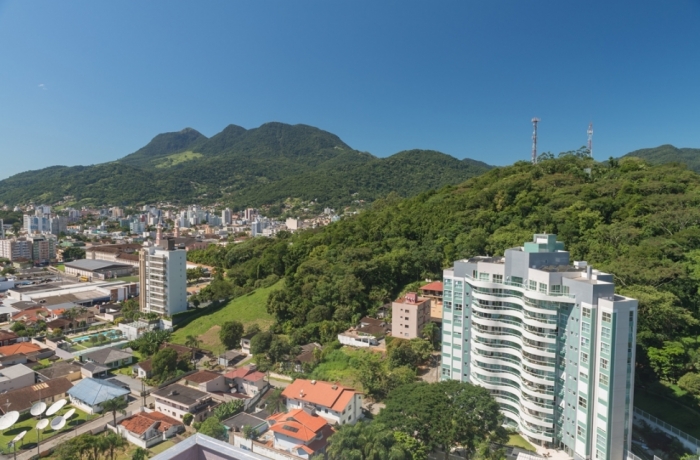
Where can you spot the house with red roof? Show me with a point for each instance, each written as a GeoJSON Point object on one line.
{"type": "Point", "coordinates": [332, 401]}
{"type": "Point", "coordinates": [207, 381]}
{"type": "Point", "coordinates": [302, 432]}
{"type": "Point", "coordinates": [146, 429]}
{"type": "Point", "coordinates": [433, 291]}
{"type": "Point", "coordinates": [246, 380]}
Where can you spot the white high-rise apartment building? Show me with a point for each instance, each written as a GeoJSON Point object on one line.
{"type": "Point", "coordinates": [226, 216]}
{"type": "Point", "coordinates": [163, 278]}
{"type": "Point", "coordinates": [552, 342]}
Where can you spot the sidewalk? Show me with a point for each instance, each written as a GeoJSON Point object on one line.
{"type": "Point", "coordinates": [99, 422]}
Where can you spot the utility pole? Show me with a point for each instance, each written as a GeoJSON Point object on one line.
{"type": "Point", "coordinates": [590, 139]}
{"type": "Point", "coordinates": [534, 140]}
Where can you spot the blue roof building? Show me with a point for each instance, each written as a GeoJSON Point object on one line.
{"type": "Point", "coordinates": [89, 393]}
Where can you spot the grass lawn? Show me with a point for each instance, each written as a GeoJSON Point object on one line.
{"type": "Point", "coordinates": [516, 440]}
{"type": "Point", "coordinates": [158, 448]}
{"type": "Point", "coordinates": [128, 279]}
{"type": "Point", "coordinates": [675, 414]}
{"type": "Point", "coordinates": [249, 309]}
{"type": "Point", "coordinates": [27, 422]}
{"type": "Point", "coordinates": [61, 268]}
{"type": "Point", "coordinates": [337, 367]}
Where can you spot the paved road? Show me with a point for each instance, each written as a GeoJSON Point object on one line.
{"type": "Point", "coordinates": [84, 428]}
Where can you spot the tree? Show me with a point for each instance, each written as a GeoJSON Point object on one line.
{"type": "Point", "coordinates": [431, 333]}
{"type": "Point", "coordinates": [113, 442]}
{"type": "Point", "coordinates": [444, 415]}
{"type": "Point", "coordinates": [422, 350]}
{"type": "Point", "coordinates": [115, 405]}
{"type": "Point", "coordinates": [187, 419]}
{"type": "Point", "coordinates": [192, 342]}
{"type": "Point", "coordinates": [690, 382]}
{"type": "Point", "coordinates": [365, 441]}
{"type": "Point", "coordinates": [275, 401]}
{"type": "Point", "coordinates": [228, 409]}
{"type": "Point", "coordinates": [140, 453]}
{"type": "Point", "coordinates": [260, 343]}
{"type": "Point", "coordinates": [371, 372]}
{"type": "Point", "coordinates": [401, 353]}
{"type": "Point", "coordinates": [164, 363]}
{"type": "Point", "coordinates": [213, 427]}
{"type": "Point", "coordinates": [669, 361]}
{"type": "Point", "coordinates": [230, 334]}
{"type": "Point", "coordinates": [249, 432]}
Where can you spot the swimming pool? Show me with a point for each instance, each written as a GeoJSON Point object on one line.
{"type": "Point", "coordinates": [110, 334]}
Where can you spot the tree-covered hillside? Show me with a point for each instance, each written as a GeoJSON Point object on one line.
{"type": "Point", "coordinates": [240, 168]}
{"type": "Point", "coordinates": [635, 220]}
{"type": "Point", "coordinates": [670, 154]}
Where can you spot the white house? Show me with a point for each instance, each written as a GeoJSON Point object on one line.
{"type": "Point", "coordinates": [333, 402]}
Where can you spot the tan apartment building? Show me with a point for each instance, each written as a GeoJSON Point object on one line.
{"type": "Point", "coordinates": [409, 315]}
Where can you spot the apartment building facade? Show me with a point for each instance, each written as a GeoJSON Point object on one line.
{"type": "Point", "coordinates": [409, 315]}
{"type": "Point", "coordinates": [552, 342]}
{"type": "Point", "coordinates": [163, 279]}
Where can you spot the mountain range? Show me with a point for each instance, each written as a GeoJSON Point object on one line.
{"type": "Point", "coordinates": [242, 167]}
{"type": "Point", "coordinates": [669, 154]}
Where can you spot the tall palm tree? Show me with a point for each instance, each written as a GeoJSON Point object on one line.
{"type": "Point", "coordinates": [114, 405]}
{"type": "Point", "coordinates": [113, 442]}
{"type": "Point", "coordinates": [192, 342]}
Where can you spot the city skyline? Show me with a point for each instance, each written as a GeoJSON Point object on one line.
{"type": "Point", "coordinates": [89, 83]}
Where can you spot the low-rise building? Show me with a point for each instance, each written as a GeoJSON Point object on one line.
{"type": "Point", "coordinates": [433, 291]}
{"type": "Point", "coordinates": [65, 369]}
{"type": "Point", "coordinates": [332, 401]}
{"type": "Point", "coordinates": [305, 358]}
{"type": "Point", "coordinates": [230, 358]}
{"type": "Point", "coordinates": [246, 380]}
{"type": "Point", "coordinates": [7, 338]}
{"type": "Point", "coordinates": [146, 429]}
{"type": "Point", "coordinates": [177, 400]}
{"type": "Point", "coordinates": [93, 370]}
{"type": "Point", "coordinates": [89, 394]}
{"type": "Point", "coordinates": [14, 377]}
{"type": "Point", "coordinates": [301, 432]}
{"type": "Point", "coordinates": [22, 399]}
{"type": "Point", "coordinates": [409, 315]}
{"type": "Point", "coordinates": [207, 381]}
{"type": "Point", "coordinates": [366, 334]}
{"type": "Point", "coordinates": [109, 357]}
{"type": "Point", "coordinates": [97, 269]}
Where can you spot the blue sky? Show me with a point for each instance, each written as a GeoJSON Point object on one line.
{"type": "Point", "coordinates": [84, 82]}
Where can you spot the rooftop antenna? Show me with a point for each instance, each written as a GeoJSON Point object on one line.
{"type": "Point", "coordinates": [534, 140]}
{"type": "Point", "coordinates": [590, 139]}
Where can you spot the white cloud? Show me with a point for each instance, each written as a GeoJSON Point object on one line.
{"type": "Point", "coordinates": [42, 86]}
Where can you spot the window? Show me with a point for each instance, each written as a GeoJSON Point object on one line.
{"type": "Point", "coordinates": [556, 289]}
{"type": "Point", "coordinates": [584, 358]}
{"type": "Point", "coordinates": [605, 348]}
{"type": "Point", "coordinates": [543, 288]}
{"type": "Point", "coordinates": [604, 380]}
{"type": "Point", "coordinates": [604, 363]}
{"type": "Point", "coordinates": [599, 454]}
{"type": "Point", "coordinates": [579, 430]}
{"type": "Point", "coordinates": [585, 342]}
{"type": "Point", "coordinates": [582, 402]}
{"type": "Point", "coordinates": [484, 276]}
{"type": "Point", "coordinates": [586, 312]}
{"type": "Point", "coordinates": [607, 317]}
{"type": "Point", "coordinates": [605, 332]}
{"type": "Point", "coordinates": [474, 274]}
{"type": "Point", "coordinates": [498, 278]}
{"type": "Point", "coordinates": [600, 439]}
{"type": "Point", "coordinates": [631, 316]}
{"type": "Point", "coordinates": [582, 375]}
{"type": "Point", "coordinates": [532, 285]}
{"type": "Point", "coordinates": [586, 328]}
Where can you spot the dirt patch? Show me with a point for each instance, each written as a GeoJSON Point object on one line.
{"type": "Point", "coordinates": [210, 339]}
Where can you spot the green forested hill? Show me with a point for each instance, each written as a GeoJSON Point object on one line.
{"type": "Point", "coordinates": [637, 221]}
{"type": "Point", "coordinates": [670, 154]}
{"type": "Point", "coordinates": [242, 167]}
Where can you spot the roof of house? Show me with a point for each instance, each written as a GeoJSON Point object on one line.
{"type": "Point", "coordinates": [180, 349]}
{"type": "Point", "coordinates": [31, 314]}
{"type": "Point", "coordinates": [142, 421]}
{"type": "Point", "coordinates": [7, 335]}
{"type": "Point", "coordinates": [107, 355]}
{"type": "Point", "coordinates": [325, 394]}
{"type": "Point", "coordinates": [434, 286]}
{"type": "Point", "coordinates": [59, 369]}
{"type": "Point", "coordinates": [58, 323]}
{"type": "Point", "coordinates": [95, 391]}
{"type": "Point", "coordinates": [202, 376]}
{"type": "Point", "coordinates": [12, 372]}
{"type": "Point", "coordinates": [17, 348]}
{"type": "Point", "coordinates": [297, 424]}
{"type": "Point", "coordinates": [145, 365]}
{"type": "Point", "coordinates": [307, 353]}
{"type": "Point", "coordinates": [238, 421]}
{"type": "Point", "coordinates": [22, 399]}
{"type": "Point", "coordinates": [93, 265]}
{"type": "Point", "coordinates": [94, 368]}
{"type": "Point", "coordinates": [245, 373]}
{"type": "Point", "coordinates": [181, 394]}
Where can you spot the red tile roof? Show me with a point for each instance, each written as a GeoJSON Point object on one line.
{"type": "Point", "coordinates": [298, 424]}
{"type": "Point", "coordinates": [245, 373]}
{"type": "Point", "coordinates": [333, 396]}
{"type": "Point", "coordinates": [434, 286]}
{"type": "Point", "coordinates": [142, 421]}
{"type": "Point", "coordinates": [16, 348]}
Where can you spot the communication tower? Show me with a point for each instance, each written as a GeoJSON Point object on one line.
{"type": "Point", "coordinates": [534, 140]}
{"type": "Point", "coordinates": [590, 139]}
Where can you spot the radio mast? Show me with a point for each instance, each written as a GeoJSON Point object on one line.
{"type": "Point", "coordinates": [534, 140]}
{"type": "Point", "coordinates": [590, 139]}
